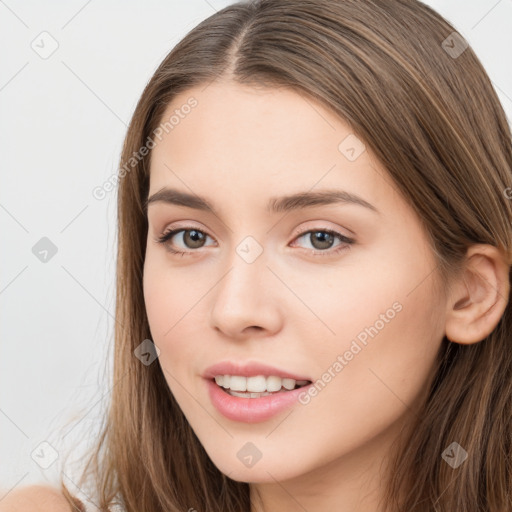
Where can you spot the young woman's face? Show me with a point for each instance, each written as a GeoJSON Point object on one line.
{"type": "Point", "coordinates": [270, 281]}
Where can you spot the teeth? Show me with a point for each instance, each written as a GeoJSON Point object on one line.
{"type": "Point", "coordinates": [274, 383]}
{"type": "Point", "coordinates": [237, 383]}
{"type": "Point", "coordinates": [257, 384]}
{"type": "Point", "coordinates": [288, 383]}
{"type": "Point", "coordinates": [248, 395]}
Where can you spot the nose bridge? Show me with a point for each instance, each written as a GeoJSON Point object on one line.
{"type": "Point", "coordinates": [245, 278]}
{"type": "Point", "coordinates": [243, 295]}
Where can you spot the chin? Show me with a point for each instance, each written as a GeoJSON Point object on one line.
{"type": "Point", "coordinates": [256, 476]}
{"type": "Point", "coordinates": [263, 471]}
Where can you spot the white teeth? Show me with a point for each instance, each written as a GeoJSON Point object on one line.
{"type": "Point", "coordinates": [257, 384]}
{"type": "Point", "coordinates": [237, 383]}
{"type": "Point", "coordinates": [274, 383]}
{"type": "Point", "coordinates": [288, 383]}
{"type": "Point", "coordinates": [248, 395]}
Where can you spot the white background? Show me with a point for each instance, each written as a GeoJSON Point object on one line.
{"type": "Point", "coordinates": [62, 123]}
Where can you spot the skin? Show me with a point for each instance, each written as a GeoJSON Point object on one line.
{"type": "Point", "coordinates": [238, 147]}
{"type": "Point", "coordinates": [33, 498]}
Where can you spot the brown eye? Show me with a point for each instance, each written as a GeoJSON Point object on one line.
{"type": "Point", "coordinates": [321, 240]}
{"type": "Point", "coordinates": [193, 238]}
{"type": "Point", "coordinates": [190, 239]}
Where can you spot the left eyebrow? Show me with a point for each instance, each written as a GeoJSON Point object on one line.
{"type": "Point", "coordinates": [318, 198]}
{"type": "Point", "coordinates": [276, 204]}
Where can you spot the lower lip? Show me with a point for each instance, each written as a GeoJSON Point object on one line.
{"type": "Point", "coordinates": [251, 410]}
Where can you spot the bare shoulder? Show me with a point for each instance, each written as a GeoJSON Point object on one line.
{"type": "Point", "coordinates": [35, 498]}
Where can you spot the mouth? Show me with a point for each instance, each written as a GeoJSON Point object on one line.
{"type": "Point", "coordinates": [257, 386]}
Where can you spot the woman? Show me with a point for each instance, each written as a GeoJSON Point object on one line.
{"type": "Point", "coordinates": [313, 271]}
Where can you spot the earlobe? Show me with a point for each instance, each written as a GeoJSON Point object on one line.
{"type": "Point", "coordinates": [478, 299]}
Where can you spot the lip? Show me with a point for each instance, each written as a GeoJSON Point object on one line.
{"type": "Point", "coordinates": [252, 410]}
{"type": "Point", "coordinates": [250, 369]}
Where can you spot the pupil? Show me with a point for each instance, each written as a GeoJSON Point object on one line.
{"type": "Point", "coordinates": [195, 237]}
{"type": "Point", "coordinates": [325, 239]}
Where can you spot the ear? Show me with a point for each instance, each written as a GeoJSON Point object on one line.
{"type": "Point", "coordinates": [477, 299]}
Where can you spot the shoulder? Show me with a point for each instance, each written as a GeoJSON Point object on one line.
{"type": "Point", "coordinates": [35, 498]}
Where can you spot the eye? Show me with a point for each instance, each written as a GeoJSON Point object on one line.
{"type": "Point", "coordinates": [192, 238]}
{"type": "Point", "coordinates": [322, 240]}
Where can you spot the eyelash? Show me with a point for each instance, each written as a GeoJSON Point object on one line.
{"type": "Point", "coordinates": [165, 237]}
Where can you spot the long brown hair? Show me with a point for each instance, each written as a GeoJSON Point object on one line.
{"type": "Point", "coordinates": [405, 81]}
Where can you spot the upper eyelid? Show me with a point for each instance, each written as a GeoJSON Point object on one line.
{"type": "Point", "coordinates": [350, 234]}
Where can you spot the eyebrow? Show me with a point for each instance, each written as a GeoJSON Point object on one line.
{"type": "Point", "coordinates": [275, 204]}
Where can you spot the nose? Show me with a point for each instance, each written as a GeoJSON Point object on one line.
{"type": "Point", "coordinates": [245, 300]}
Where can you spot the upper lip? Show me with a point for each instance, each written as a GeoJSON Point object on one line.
{"type": "Point", "coordinates": [248, 369]}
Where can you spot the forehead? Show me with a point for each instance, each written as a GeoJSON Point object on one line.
{"type": "Point", "coordinates": [246, 141]}
{"type": "Point", "coordinates": [266, 119]}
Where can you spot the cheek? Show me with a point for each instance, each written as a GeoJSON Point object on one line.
{"type": "Point", "coordinates": [362, 299]}
{"type": "Point", "coordinates": [164, 305]}
{"type": "Point", "coordinates": [388, 330]}
{"type": "Point", "coordinates": [364, 387]}
{"type": "Point", "coordinates": [173, 300]}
